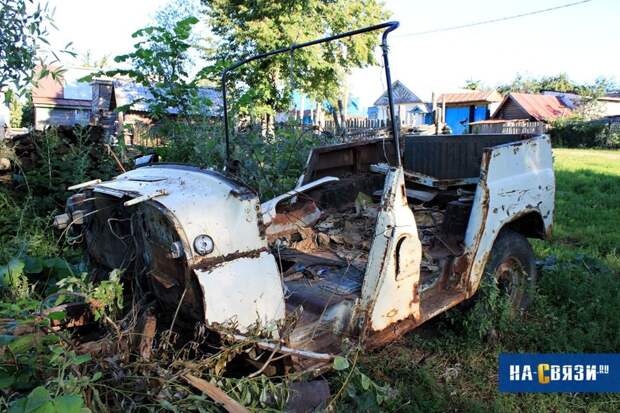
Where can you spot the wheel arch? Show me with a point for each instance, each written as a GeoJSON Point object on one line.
{"type": "Point", "coordinates": [529, 223]}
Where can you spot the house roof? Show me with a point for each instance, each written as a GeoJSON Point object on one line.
{"type": "Point", "coordinates": [421, 108]}
{"type": "Point", "coordinates": [66, 92]}
{"type": "Point", "coordinates": [539, 107]}
{"type": "Point", "coordinates": [126, 92]}
{"type": "Point", "coordinates": [401, 95]}
{"type": "Point", "coordinates": [52, 102]}
{"type": "Point", "coordinates": [470, 96]}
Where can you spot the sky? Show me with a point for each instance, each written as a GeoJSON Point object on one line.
{"type": "Point", "coordinates": [582, 41]}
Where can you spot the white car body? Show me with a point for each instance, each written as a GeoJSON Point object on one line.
{"type": "Point", "coordinates": [240, 283]}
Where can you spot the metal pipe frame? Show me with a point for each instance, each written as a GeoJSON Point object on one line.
{"type": "Point", "coordinates": [389, 26]}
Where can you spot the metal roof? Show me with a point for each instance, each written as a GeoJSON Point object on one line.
{"type": "Point", "coordinates": [539, 107]}
{"type": "Point", "coordinates": [128, 92]}
{"type": "Point", "coordinates": [421, 108]}
{"type": "Point", "coordinates": [470, 96]}
{"type": "Point", "coordinates": [401, 94]}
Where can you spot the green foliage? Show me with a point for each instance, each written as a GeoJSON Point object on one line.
{"type": "Point", "coordinates": [27, 115]}
{"type": "Point", "coordinates": [89, 60]}
{"type": "Point", "coordinates": [105, 298]}
{"type": "Point", "coordinates": [32, 355]}
{"type": "Point", "coordinates": [575, 132]}
{"type": "Point", "coordinates": [491, 313]}
{"type": "Point", "coordinates": [13, 279]}
{"type": "Point", "coordinates": [62, 159]}
{"type": "Point", "coordinates": [20, 276]}
{"type": "Point", "coordinates": [270, 165]}
{"type": "Point", "coordinates": [558, 83]}
{"type": "Point", "coordinates": [24, 230]}
{"type": "Point", "coordinates": [473, 84]}
{"type": "Point", "coordinates": [158, 63]}
{"type": "Point", "coordinates": [265, 86]}
{"type": "Point", "coordinates": [356, 390]}
{"type": "Point", "coordinates": [16, 110]}
{"type": "Point", "coordinates": [41, 401]}
{"type": "Point", "coordinates": [24, 31]}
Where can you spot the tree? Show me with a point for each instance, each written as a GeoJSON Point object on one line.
{"type": "Point", "coordinates": [15, 109]}
{"type": "Point", "coordinates": [473, 84]}
{"type": "Point", "coordinates": [556, 83]}
{"type": "Point", "coordinates": [265, 87]}
{"type": "Point", "coordinates": [200, 51]}
{"type": "Point", "coordinates": [23, 33]}
{"type": "Point", "coordinates": [88, 59]}
{"type": "Point", "coordinates": [158, 63]}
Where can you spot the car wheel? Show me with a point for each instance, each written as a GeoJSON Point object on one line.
{"type": "Point", "coordinates": [512, 266]}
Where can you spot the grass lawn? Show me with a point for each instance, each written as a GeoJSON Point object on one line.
{"type": "Point", "coordinates": [587, 218]}
{"type": "Point", "coordinates": [447, 366]}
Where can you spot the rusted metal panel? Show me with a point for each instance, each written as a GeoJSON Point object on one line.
{"type": "Point", "coordinates": [238, 281]}
{"type": "Point", "coordinates": [516, 178]}
{"type": "Point", "coordinates": [388, 295]}
{"type": "Point", "coordinates": [346, 159]}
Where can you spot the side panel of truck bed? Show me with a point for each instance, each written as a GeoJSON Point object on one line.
{"type": "Point", "coordinates": [516, 179]}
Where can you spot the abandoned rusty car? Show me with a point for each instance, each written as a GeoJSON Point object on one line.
{"type": "Point", "coordinates": [378, 236]}
{"type": "Point", "coordinates": [360, 249]}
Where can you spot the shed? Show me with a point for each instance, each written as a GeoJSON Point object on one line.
{"type": "Point", "coordinates": [63, 101]}
{"type": "Point", "coordinates": [467, 106]}
{"type": "Point", "coordinates": [532, 107]}
{"type": "Point", "coordinates": [109, 95]}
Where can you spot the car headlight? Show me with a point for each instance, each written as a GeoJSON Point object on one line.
{"type": "Point", "coordinates": [203, 244]}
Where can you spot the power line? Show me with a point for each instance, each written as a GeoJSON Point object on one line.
{"type": "Point", "coordinates": [499, 19]}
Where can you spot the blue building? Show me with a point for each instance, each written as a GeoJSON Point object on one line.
{"type": "Point", "coordinates": [462, 108]}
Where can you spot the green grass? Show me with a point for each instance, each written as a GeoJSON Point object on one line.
{"type": "Point", "coordinates": [587, 218]}
{"type": "Point", "coordinates": [444, 366]}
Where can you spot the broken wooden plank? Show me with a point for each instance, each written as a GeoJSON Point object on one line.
{"type": "Point", "coordinates": [148, 334]}
{"type": "Point", "coordinates": [217, 394]}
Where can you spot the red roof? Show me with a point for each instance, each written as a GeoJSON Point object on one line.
{"type": "Point", "coordinates": [540, 107]}
{"type": "Point", "coordinates": [50, 92]}
{"type": "Point", "coordinates": [471, 96]}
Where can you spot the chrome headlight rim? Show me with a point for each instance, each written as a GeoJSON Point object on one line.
{"type": "Point", "coordinates": [203, 244]}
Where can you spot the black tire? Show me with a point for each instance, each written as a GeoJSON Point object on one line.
{"type": "Point", "coordinates": [512, 265]}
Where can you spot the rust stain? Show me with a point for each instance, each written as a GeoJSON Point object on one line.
{"type": "Point", "coordinates": [206, 264]}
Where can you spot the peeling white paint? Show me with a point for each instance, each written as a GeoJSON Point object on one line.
{"type": "Point", "coordinates": [245, 291]}
{"type": "Point", "coordinates": [518, 179]}
{"type": "Point", "coordinates": [389, 296]}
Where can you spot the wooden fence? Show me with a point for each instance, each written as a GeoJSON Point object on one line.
{"type": "Point", "coordinates": [357, 129]}
{"type": "Point", "coordinates": [357, 124]}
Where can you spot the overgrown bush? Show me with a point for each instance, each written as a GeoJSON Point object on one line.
{"type": "Point", "coordinates": [61, 158]}
{"type": "Point", "coordinates": [45, 164]}
{"type": "Point", "coordinates": [271, 165]}
{"type": "Point", "coordinates": [578, 133]}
